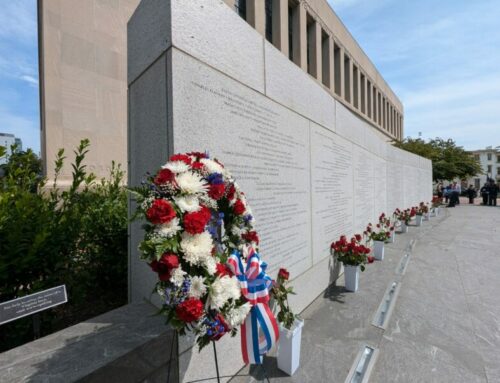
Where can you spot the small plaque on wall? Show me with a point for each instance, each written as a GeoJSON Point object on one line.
{"type": "Point", "coordinates": [33, 303]}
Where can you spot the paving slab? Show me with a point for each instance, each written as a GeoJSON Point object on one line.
{"type": "Point", "coordinates": [444, 326]}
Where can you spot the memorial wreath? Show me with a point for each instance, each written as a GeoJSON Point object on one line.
{"type": "Point", "coordinates": [200, 240]}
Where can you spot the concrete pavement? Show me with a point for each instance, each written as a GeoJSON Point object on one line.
{"type": "Point", "coordinates": [444, 325]}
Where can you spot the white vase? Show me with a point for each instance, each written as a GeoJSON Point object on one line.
{"type": "Point", "coordinates": [404, 227]}
{"type": "Point", "coordinates": [378, 250]}
{"type": "Point", "coordinates": [418, 220]}
{"type": "Point", "coordinates": [351, 277]}
{"type": "Point", "coordinates": [392, 238]}
{"type": "Point", "coordinates": [436, 210]}
{"type": "Point", "coordinates": [426, 216]}
{"type": "Point", "coordinates": [289, 347]}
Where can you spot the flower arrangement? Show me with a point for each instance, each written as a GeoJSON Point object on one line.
{"type": "Point", "coordinates": [405, 216]}
{"type": "Point", "coordinates": [197, 220]}
{"type": "Point", "coordinates": [377, 233]}
{"type": "Point", "coordinates": [421, 209]}
{"type": "Point", "coordinates": [280, 293]}
{"type": "Point", "coordinates": [436, 201]}
{"type": "Point", "coordinates": [352, 252]}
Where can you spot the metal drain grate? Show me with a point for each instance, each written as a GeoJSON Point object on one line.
{"type": "Point", "coordinates": [385, 309]}
{"type": "Point", "coordinates": [401, 269]}
{"type": "Point", "coordinates": [360, 371]}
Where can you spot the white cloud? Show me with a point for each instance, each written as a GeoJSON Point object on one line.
{"type": "Point", "coordinates": [30, 80]}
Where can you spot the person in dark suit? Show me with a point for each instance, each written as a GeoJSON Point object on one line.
{"type": "Point", "coordinates": [484, 194]}
{"type": "Point", "coordinates": [471, 193]}
{"type": "Point", "coordinates": [492, 193]}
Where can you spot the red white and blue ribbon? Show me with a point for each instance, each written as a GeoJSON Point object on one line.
{"type": "Point", "coordinates": [259, 332]}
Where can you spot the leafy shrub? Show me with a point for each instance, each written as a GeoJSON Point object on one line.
{"type": "Point", "coordinates": [49, 237]}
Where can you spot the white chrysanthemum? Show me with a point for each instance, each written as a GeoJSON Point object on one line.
{"type": "Point", "coordinates": [177, 277]}
{"type": "Point", "coordinates": [191, 183]}
{"type": "Point", "coordinates": [210, 264]}
{"type": "Point", "coordinates": [188, 203]}
{"type": "Point", "coordinates": [176, 166]}
{"type": "Point", "coordinates": [169, 229]}
{"type": "Point", "coordinates": [198, 287]}
{"type": "Point", "coordinates": [237, 315]}
{"type": "Point", "coordinates": [222, 290]}
{"type": "Point", "coordinates": [212, 166]}
{"type": "Point", "coordinates": [196, 247]}
{"type": "Point", "coordinates": [236, 230]}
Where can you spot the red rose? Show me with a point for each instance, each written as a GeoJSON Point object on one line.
{"type": "Point", "coordinates": [251, 236]}
{"type": "Point", "coordinates": [181, 157]}
{"type": "Point", "coordinates": [239, 207]}
{"type": "Point", "coordinates": [195, 222]}
{"type": "Point", "coordinates": [190, 310]}
{"type": "Point", "coordinates": [230, 192]}
{"type": "Point", "coordinates": [197, 154]}
{"type": "Point", "coordinates": [358, 237]}
{"type": "Point", "coordinates": [161, 211]}
{"type": "Point", "coordinates": [222, 270]}
{"type": "Point", "coordinates": [164, 176]}
{"type": "Point", "coordinates": [197, 165]}
{"type": "Point", "coordinates": [370, 259]}
{"type": "Point", "coordinates": [283, 273]}
{"type": "Point", "coordinates": [216, 191]}
{"type": "Point", "coordinates": [165, 265]}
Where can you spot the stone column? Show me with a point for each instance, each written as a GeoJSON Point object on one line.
{"type": "Point", "coordinates": [280, 25]}
{"type": "Point", "coordinates": [339, 77]}
{"type": "Point", "coordinates": [256, 15]}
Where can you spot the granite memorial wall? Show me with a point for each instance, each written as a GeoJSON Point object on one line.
{"type": "Point", "coordinates": [200, 78]}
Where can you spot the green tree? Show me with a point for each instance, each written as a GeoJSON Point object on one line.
{"type": "Point", "coordinates": [449, 161]}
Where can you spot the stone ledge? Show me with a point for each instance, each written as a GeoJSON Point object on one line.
{"type": "Point", "coordinates": [129, 344]}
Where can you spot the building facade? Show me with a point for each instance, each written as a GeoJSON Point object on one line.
{"type": "Point", "coordinates": [83, 66]}
{"type": "Point", "coordinates": [489, 158]}
{"type": "Point", "coordinates": [83, 88]}
{"type": "Point", "coordinates": [7, 140]}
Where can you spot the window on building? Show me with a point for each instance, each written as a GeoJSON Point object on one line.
{"type": "Point", "coordinates": [337, 64]}
{"type": "Point", "coordinates": [476, 156]}
{"type": "Point", "coordinates": [489, 156]}
{"type": "Point", "coordinates": [293, 31]}
{"type": "Point", "coordinates": [489, 169]}
{"type": "Point", "coordinates": [240, 6]}
{"type": "Point", "coordinates": [326, 57]}
{"type": "Point", "coordinates": [477, 183]}
{"type": "Point", "coordinates": [369, 98]}
{"type": "Point", "coordinates": [498, 158]}
{"type": "Point", "coordinates": [498, 171]}
{"type": "Point", "coordinates": [379, 103]}
{"type": "Point", "coordinates": [269, 20]}
{"type": "Point", "coordinates": [311, 30]}
{"type": "Point", "coordinates": [355, 86]}
{"type": "Point", "coordinates": [363, 93]}
{"type": "Point", "coordinates": [347, 78]}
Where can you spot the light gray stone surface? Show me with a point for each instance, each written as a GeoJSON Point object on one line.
{"type": "Point", "coordinates": [128, 344]}
{"type": "Point", "coordinates": [210, 31]}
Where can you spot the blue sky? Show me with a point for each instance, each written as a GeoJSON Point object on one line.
{"type": "Point", "coordinates": [19, 105]}
{"type": "Point", "coordinates": [442, 58]}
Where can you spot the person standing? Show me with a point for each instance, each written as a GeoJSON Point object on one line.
{"type": "Point", "coordinates": [484, 194]}
{"type": "Point", "coordinates": [471, 193]}
{"type": "Point", "coordinates": [493, 193]}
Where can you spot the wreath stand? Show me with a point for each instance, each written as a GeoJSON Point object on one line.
{"type": "Point", "coordinates": [175, 339]}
